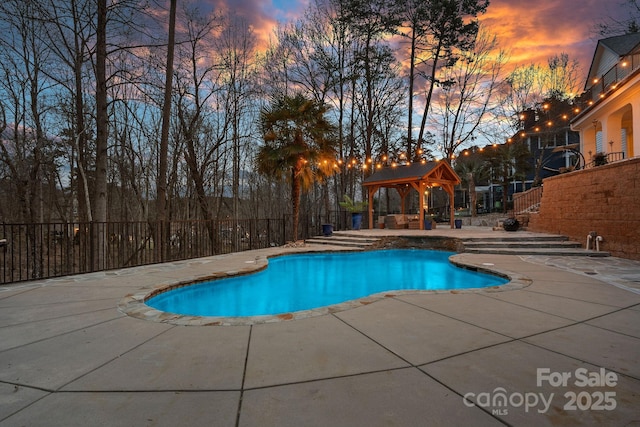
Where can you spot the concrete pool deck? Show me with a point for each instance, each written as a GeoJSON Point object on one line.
{"type": "Point", "coordinates": [564, 350]}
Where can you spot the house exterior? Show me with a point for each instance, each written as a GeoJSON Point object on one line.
{"type": "Point", "coordinates": [610, 106]}
{"type": "Point", "coordinates": [602, 200]}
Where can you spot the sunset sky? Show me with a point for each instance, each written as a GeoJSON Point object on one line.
{"type": "Point", "coordinates": [532, 30]}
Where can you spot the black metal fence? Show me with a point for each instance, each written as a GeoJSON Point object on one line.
{"type": "Point", "coordinates": [40, 251]}
{"type": "Point", "coordinates": [36, 251]}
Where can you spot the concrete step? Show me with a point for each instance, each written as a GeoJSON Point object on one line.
{"type": "Point", "coordinates": [530, 245]}
{"type": "Point", "coordinates": [538, 251]}
{"type": "Point", "coordinates": [516, 237]}
{"type": "Point", "coordinates": [346, 240]}
{"type": "Point", "coordinates": [566, 244]}
{"type": "Point", "coordinates": [322, 240]}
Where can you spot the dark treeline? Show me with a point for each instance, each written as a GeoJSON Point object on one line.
{"type": "Point", "coordinates": [82, 95]}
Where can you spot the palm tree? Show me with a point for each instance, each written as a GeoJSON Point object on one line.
{"type": "Point", "coordinates": [472, 170]}
{"type": "Point", "coordinates": [298, 145]}
{"type": "Point", "coordinates": [510, 161]}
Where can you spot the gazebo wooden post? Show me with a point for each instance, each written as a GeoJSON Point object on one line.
{"type": "Point", "coordinates": [452, 209]}
{"type": "Point", "coordinates": [421, 198]}
{"type": "Point", "coordinates": [419, 187]}
{"type": "Point", "coordinates": [372, 191]}
{"type": "Point", "coordinates": [403, 191]}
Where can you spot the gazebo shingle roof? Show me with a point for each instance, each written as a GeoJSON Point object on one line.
{"type": "Point", "coordinates": [414, 171]}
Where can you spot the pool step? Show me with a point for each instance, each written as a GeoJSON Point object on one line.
{"type": "Point", "coordinates": [534, 245]}
{"type": "Point", "coordinates": [556, 244]}
{"type": "Point", "coordinates": [516, 237]}
{"type": "Point", "coordinates": [345, 240]}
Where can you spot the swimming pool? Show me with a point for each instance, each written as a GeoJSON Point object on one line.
{"type": "Point", "coordinates": [306, 281]}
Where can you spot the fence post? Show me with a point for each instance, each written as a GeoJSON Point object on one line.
{"type": "Point", "coordinates": [92, 258]}
{"type": "Point", "coordinates": [284, 229]}
{"type": "Point", "coordinates": [3, 245]}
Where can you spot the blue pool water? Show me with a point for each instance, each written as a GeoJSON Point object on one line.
{"type": "Point", "coordinates": [301, 282]}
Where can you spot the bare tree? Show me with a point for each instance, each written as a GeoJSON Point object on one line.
{"type": "Point", "coordinates": [194, 74]}
{"type": "Point", "coordinates": [561, 80]}
{"type": "Point", "coordinates": [463, 104]}
{"type": "Point", "coordinates": [437, 29]}
{"type": "Point", "coordinates": [161, 181]}
{"type": "Point", "coordinates": [236, 49]}
{"type": "Point", "coordinates": [528, 85]}
{"type": "Point", "coordinates": [68, 32]}
{"type": "Point", "coordinates": [609, 26]}
{"type": "Point", "coordinates": [371, 21]}
{"type": "Point", "coordinates": [23, 91]}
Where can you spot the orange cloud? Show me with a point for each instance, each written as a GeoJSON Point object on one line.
{"type": "Point", "coordinates": [536, 31]}
{"type": "Point", "coordinates": [533, 31]}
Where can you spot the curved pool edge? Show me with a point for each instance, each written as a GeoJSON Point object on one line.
{"type": "Point", "coordinates": [133, 305]}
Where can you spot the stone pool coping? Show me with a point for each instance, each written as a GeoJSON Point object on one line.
{"type": "Point", "coordinates": [134, 305]}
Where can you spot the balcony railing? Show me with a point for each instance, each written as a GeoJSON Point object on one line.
{"type": "Point", "coordinates": [610, 80]}
{"type": "Point", "coordinates": [600, 159]}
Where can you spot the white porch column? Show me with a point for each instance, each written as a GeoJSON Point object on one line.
{"type": "Point", "coordinates": [633, 134]}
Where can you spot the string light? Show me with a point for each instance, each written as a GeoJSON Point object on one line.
{"type": "Point", "coordinates": [401, 158]}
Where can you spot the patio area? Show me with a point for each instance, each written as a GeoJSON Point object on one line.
{"type": "Point", "coordinates": [564, 350]}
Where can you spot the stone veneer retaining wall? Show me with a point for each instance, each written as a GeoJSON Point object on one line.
{"type": "Point", "coordinates": [605, 199]}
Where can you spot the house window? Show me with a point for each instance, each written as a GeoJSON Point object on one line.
{"type": "Point", "coordinates": [623, 140]}
{"type": "Point", "coordinates": [599, 142]}
{"type": "Point", "coordinates": [547, 141]}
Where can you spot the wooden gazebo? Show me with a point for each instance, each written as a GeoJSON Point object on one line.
{"type": "Point", "coordinates": [417, 176]}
